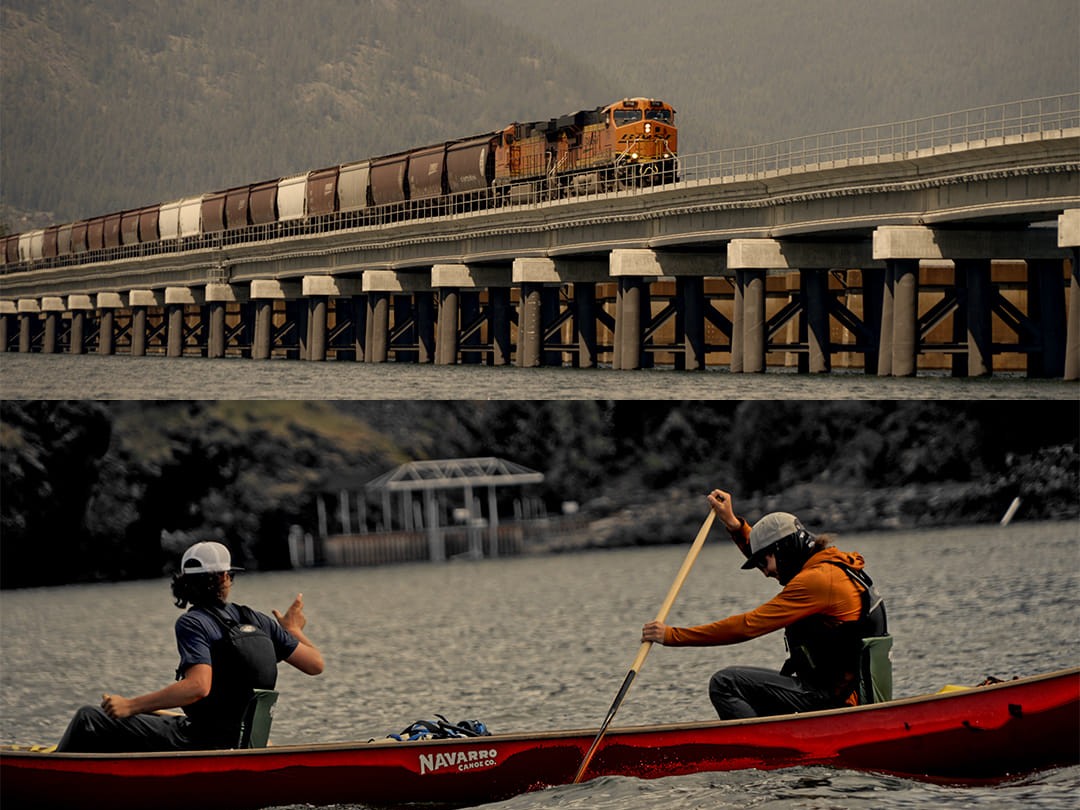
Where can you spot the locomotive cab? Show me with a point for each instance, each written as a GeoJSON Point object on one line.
{"type": "Point", "coordinates": [645, 136]}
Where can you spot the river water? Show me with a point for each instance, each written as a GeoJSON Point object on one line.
{"type": "Point", "coordinates": [537, 643]}
{"type": "Point", "coordinates": [64, 376]}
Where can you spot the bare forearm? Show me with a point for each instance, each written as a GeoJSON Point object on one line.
{"type": "Point", "coordinates": [306, 657]}
{"type": "Point", "coordinates": [194, 686]}
{"type": "Point", "coordinates": [181, 693]}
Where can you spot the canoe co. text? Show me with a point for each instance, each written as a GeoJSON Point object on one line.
{"type": "Point", "coordinates": [458, 760]}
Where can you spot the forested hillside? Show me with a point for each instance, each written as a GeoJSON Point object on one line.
{"type": "Point", "coordinates": [112, 105]}
{"type": "Point", "coordinates": [117, 490]}
{"type": "Point", "coordinates": [122, 104]}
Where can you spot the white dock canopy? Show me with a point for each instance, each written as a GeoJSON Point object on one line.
{"type": "Point", "coordinates": [465, 474]}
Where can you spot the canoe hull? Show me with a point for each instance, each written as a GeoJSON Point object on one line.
{"type": "Point", "coordinates": [987, 733]}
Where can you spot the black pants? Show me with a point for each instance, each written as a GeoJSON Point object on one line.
{"type": "Point", "coordinates": [738, 692]}
{"type": "Point", "coordinates": [93, 731]}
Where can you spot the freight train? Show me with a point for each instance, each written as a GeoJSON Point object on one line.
{"type": "Point", "coordinates": [632, 142]}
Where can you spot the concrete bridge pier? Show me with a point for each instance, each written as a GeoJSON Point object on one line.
{"type": "Point", "coordinates": [885, 331]}
{"type": "Point", "coordinates": [446, 343]}
{"type": "Point", "coordinates": [633, 298]}
{"type": "Point", "coordinates": [738, 280]}
{"type": "Point", "coordinates": [262, 339]}
{"type": "Point", "coordinates": [78, 306]}
{"type": "Point", "coordinates": [317, 320]}
{"type": "Point", "coordinates": [318, 290]}
{"type": "Point", "coordinates": [1068, 238]}
{"type": "Point", "coordinates": [139, 301]}
{"type": "Point", "coordinates": [177, 300]}
{"type": "Point", "coordinates": [905, 316]}
{"type": "Point", "coordinates": [753, 317]}
{"type": "Point", "coordinates": [107, 304]}
{"type": "Point", "coordinates": [29, 309]}
{"type": "Point", "coordinates": [540, 280]}
{"type": "Point", "coordinates": [380, 286]}
{"type": "Point", "coordinates": [459, 317]}
{"type": "Point", "coordinates": [8, 321]}
{"type": "Point", "coordinates": [635, 270]}
{"type": "Point", "coordinates": [378, 325]}
{"type": "Point", "coordinates": [218, 296]}
{"type": "Point", "coordinates": [265, 293]}
{"type": "Point", "coordinates": [530, 325]}
{"type": "Point", "coordinates": [1072, 343]}
{"type": "Point", "coordinates": [52, 306]}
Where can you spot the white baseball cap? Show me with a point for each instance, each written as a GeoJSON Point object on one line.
{"type": "Point", "coordinates": [771, 529]}
{"type": "Point", "coordinates": [206, 558]}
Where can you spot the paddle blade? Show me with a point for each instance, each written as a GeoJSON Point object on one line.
{"type": "Point", "coordinates": [627, 681]}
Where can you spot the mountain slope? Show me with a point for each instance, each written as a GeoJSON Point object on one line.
{"type": "Point", "coordinates": [123, 104]}
{"type": "Point", "coordinates": [112, 104]}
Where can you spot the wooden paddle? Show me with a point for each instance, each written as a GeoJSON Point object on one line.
{"type": "Point", "coordinates": [688, 563]}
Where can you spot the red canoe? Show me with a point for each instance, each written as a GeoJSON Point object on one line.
{"type": "Point", "coordinates": [985, 733]}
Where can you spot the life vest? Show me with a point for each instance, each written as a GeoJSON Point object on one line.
{"type": "Point", "coordinates": [848, 657]}
{"type": "Point", "coordinates": [243, 659]}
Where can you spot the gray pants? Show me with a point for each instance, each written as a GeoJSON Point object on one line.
{"type": "Point", "coordinates": [738, 692]}
{"type": "Point", "coordinates": [93, 731]}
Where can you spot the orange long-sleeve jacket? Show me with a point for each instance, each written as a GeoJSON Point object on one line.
{"type": "Point", "coordinates": [819, 588]}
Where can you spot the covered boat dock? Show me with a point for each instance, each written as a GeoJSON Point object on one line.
{"type": "Point", "coordinates": [421, 509]}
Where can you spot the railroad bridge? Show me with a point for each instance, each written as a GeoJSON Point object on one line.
{"type": "Point", "coordinates": [946, 242]}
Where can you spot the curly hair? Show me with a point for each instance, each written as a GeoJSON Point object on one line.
{"type": "Point", "coordinates": [201, 590]}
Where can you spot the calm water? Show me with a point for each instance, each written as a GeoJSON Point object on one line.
{"type": "Point", "coordinates": [63, 376]}
{"type": "Point", "coordinates": [541, 643]}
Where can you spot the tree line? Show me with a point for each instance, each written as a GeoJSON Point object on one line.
{"type": "Point", "coordinates": [105, 491]}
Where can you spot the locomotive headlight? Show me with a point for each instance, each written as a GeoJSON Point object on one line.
{"type": "Point", "coordinates": [633, 156]}
{"type": "Point", "coordinates": [648, 127]}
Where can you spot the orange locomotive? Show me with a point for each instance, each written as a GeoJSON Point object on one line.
{"type": "Point", "coordinates": [631, 142]}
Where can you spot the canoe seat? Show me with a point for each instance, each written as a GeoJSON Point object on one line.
{"type": "Point", "coordinates": [255, 729]}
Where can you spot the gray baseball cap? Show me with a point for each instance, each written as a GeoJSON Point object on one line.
{"type": "Point", "coordinates": [771, 529]}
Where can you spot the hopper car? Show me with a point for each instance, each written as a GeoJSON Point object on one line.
{"type": "Point", "coordinates": [630, 143]}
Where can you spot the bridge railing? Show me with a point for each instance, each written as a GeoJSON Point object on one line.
{"type": "Point", "coordinates": [977, 127]}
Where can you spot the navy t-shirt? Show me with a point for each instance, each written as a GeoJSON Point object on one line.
{"type": "Point", "coordinates": [196, 632]}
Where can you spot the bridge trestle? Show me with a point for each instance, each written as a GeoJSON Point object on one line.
{"type": "Point", "coordinates": [892, 302]}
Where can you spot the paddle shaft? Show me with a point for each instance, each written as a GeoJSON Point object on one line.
{"type": "Point", "coordinates": [643, 651]}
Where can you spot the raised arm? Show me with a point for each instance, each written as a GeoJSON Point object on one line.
{"type": "Point", "coordinates": [306, 657]}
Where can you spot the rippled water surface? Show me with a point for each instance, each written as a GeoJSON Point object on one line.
{"type": "Point", "coordinates": [543, 643]}
{"type": "Point", "coordinates": [63, 376]}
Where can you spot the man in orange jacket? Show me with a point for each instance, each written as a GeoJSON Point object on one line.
{"type": "Point", "coordinates": [828, 605]}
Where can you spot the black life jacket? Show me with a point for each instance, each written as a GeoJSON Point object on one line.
{"type": "Point", "coordinates": [828, 656]}
{"type": "Point", "coordinates": [243, 659]}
